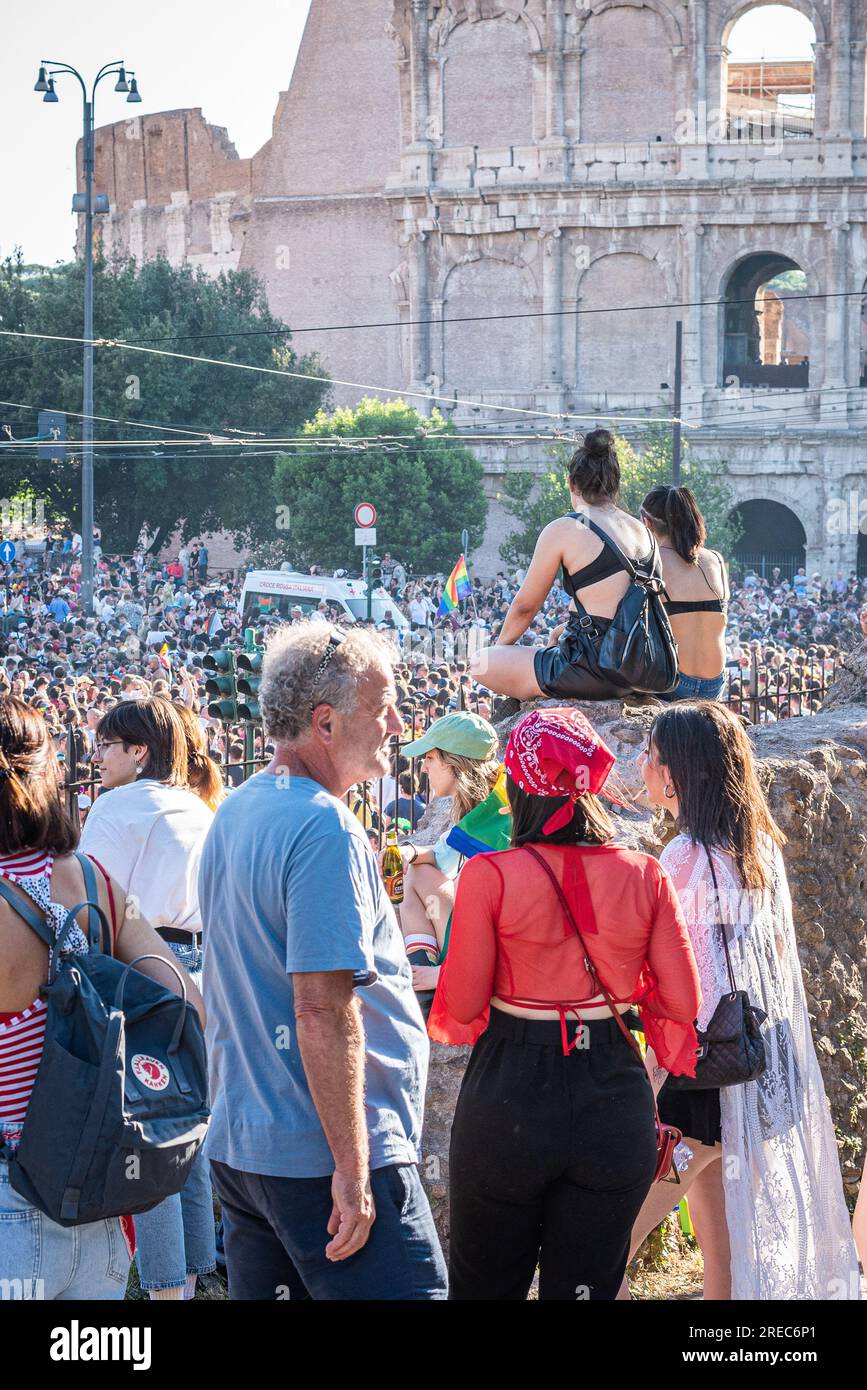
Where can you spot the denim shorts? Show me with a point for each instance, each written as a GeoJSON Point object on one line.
{"type": "Point", "coordinates": [41, 1260]}
{"type": "Point", "coordinates": [695, 688]}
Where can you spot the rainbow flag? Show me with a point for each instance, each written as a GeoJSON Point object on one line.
{"type": "Point", "coordinates": [457, 587]}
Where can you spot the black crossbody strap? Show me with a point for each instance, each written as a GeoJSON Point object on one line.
{"type": "Point", "coordinates": [720, 922]}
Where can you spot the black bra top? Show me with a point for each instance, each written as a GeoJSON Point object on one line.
{"type": "Point", "coordinates": [603, 566]}
{"type": "Point", "coordinates": [709, 605]}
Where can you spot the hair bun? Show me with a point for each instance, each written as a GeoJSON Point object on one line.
{"type": "Point", "coordinates": [598, 442]}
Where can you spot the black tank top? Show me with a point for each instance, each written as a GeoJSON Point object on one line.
{"type": "Point", "coordinates": [605, 564]}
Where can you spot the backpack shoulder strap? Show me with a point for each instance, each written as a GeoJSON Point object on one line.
{"type": "Point", "coordinates": [27, 912]}
{"type": "Point", "coordinates": [95, 915]}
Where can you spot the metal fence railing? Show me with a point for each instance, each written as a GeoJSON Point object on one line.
{"type": "Point", "coordinates": [764, 694]}
{"type": "Point", "coordinates": [758, 692]}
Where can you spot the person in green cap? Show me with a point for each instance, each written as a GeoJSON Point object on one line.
{"type": "Point", "coordinates": [460, 753]}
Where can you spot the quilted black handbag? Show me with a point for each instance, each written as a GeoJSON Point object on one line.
{"type": "Point", "coordinates": [731, 1048]}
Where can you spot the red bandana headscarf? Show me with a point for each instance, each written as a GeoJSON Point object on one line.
{"type": "Point", "coordinates": [557, 752]}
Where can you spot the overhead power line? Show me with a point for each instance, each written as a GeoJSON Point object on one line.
{"type": "Point", "coordinates": [400, 393]}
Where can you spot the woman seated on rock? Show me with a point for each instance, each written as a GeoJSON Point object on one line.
{"type": "Point", "coordinates": [697, 589]}
{"type": "Point", "coordinates": [763, 1176]}
{"type": "Point", "coordinates": [553, 1146]}
{"type": "Point", "coordinates": [460, 759]}
{"type": "Point", "coordinates": [592, 572]}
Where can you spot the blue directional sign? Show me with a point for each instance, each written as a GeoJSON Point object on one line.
{"type": "Point", "coordinates": [7, 553]}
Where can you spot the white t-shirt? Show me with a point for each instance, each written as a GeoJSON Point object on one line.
{"type": "Point", "coordinates": [150, 837]}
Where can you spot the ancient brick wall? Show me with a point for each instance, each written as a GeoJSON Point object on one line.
{"type": "Point", "coordinates": [532, 163]}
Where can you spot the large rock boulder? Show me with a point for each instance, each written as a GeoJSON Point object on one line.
{"type": "Point", "coordinates": [814, 771]}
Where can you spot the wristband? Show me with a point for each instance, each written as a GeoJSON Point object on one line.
{"type": "Point", "coordinates": [414, 849]}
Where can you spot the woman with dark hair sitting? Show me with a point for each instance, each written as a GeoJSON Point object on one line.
{"type": "Point", "coordinates": [763, 1173]}
{"type": "Point", "coordinates": [37, 863]}
{"type": "Point", "coordinates": [553, 1145]}
{"type": "Point", "coordinates": [697, 589]}
{"type": "Point", "coordinates": [582, 544]}
{"type": "Point", "coordinates": [149, 829]}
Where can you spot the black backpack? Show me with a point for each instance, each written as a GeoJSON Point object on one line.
{"type": "Point", "coordinates": [119, 1105]}
{"type": "Point", "coordinates": [638, 649]}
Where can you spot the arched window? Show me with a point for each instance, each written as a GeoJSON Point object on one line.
{"type": "Point", "coordinates": [627, 77]}
{"type": "Point", "coordinates": [770, 76]}
{"type": "Point", "coordinates": [613, 346]}
{"type": "Point", "coordinates": [484, 353]}
{"type": "Point", "coordinates": [487, 85]}
{"type": "Point", "coordinates": [772, 538]}
{"type": "Point", "coordinates": [767, 324]}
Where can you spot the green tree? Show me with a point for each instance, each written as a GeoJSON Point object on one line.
{"type": "Point", "coordinates": [171, 484]}
{"type": "Point", "coordinates": [535, 500]}
{"type": "Point", "coordinates": [425, 485]}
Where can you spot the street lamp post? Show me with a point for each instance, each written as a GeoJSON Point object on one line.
{"type": "Point", "coordinates": [46, 86]}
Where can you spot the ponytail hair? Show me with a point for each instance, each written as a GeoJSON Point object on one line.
{"type": "Point", "coordinates": [594, 470]}
{"type": "Point", "coordinates": [203, 774]}
{"type": "Point", "coordinates": [674, 514]}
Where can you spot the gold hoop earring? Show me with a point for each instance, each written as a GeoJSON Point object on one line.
{"type": "Point", "coordinates": [668, 790]}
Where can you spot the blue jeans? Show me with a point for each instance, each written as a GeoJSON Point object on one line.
{"type": "Point", "coordinates": [41, 1260]}
{"type": "Point", "coordinates": [275, 1237]}
{"type": "Point", "coordinates": [176, 1238]}
{"type": "Point", "coordinates": [695, 688]}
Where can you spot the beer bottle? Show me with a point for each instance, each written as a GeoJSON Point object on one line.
{"type": "Point", "coordinates": [392, 868]}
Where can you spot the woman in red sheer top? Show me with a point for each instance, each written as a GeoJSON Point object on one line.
{"type": "Point", "coordinates": [553, 1144]}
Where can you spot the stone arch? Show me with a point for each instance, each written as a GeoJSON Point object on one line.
{"type": "Point", "coordinates": [618, 278]}
{"type": "Point", "coordinates": [764, 102]}
{"type": "Point", "coordinates": [617, 103]}
{"type": "Point", "coordinates": [458, 12]}
{"type": "Point", "coordinates": [753, 347]}
{"type": "Point", "coordinates": [499, 110]}
{"type": "Point", "coordinates": [483, 353]}
{"type": "Point", "coordinates": [773, 535]}
{"type": "Point", "coordinates": [736, 11]}
{"type": "Point", "coordinates": [669, 19]}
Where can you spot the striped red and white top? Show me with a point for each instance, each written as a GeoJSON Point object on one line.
{"type": "Point", "coordinates": [21, 1039]}
{"type": "Point", "coordinates": [21, 1034]}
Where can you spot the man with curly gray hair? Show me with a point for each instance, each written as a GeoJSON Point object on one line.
{"type": "Point", "coordinates": [318, 1052]}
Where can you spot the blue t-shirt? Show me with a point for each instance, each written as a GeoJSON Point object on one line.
{"type": "Point", "coordinates": [289, 883]}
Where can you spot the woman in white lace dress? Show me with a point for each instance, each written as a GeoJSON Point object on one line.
{"type": "Point", "coordinates": [763, 1173]}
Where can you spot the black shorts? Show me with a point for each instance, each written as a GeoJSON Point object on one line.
{"type": "Point", "coordinates": [695, 1113]}
{"type": "Point", "coordinates": [570, 670]}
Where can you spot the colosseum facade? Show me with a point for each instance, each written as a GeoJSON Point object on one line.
{"type": "Point", "coordinates": [566, 180]}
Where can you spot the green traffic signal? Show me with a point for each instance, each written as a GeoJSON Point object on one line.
{"type": "Point", "coordinates": [221, 660]}
{"type": "Point", "coordinates": [250, 661]}
{"type": "Point", "coordinates": [249, 710]}
{"type": "Point", "coordinates": [228, 711]}
{"type": "Point", "coordinates": [221, 685]}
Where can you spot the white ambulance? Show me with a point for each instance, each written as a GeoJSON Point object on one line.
{"type": "Point", "coordinates": [276, 593]}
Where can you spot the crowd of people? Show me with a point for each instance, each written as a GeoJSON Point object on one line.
{"type": "Point", "coordinates": [292, 956]}
{"type": "Point", "coordinates": [526, 929]}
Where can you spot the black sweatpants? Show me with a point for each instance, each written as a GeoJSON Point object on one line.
{"type": "Point", "coordinates": [551, 1159]}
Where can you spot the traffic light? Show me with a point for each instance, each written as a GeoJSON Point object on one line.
{"type": "Point", "coordinates": [250, 665]}
{"type": "Point", "coordinates": [222, 686]}
{"type": "Point", "coordinates": [375, 570]}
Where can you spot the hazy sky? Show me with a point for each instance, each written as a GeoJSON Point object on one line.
{"type": "Point", "coordinates": [230, 59]}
